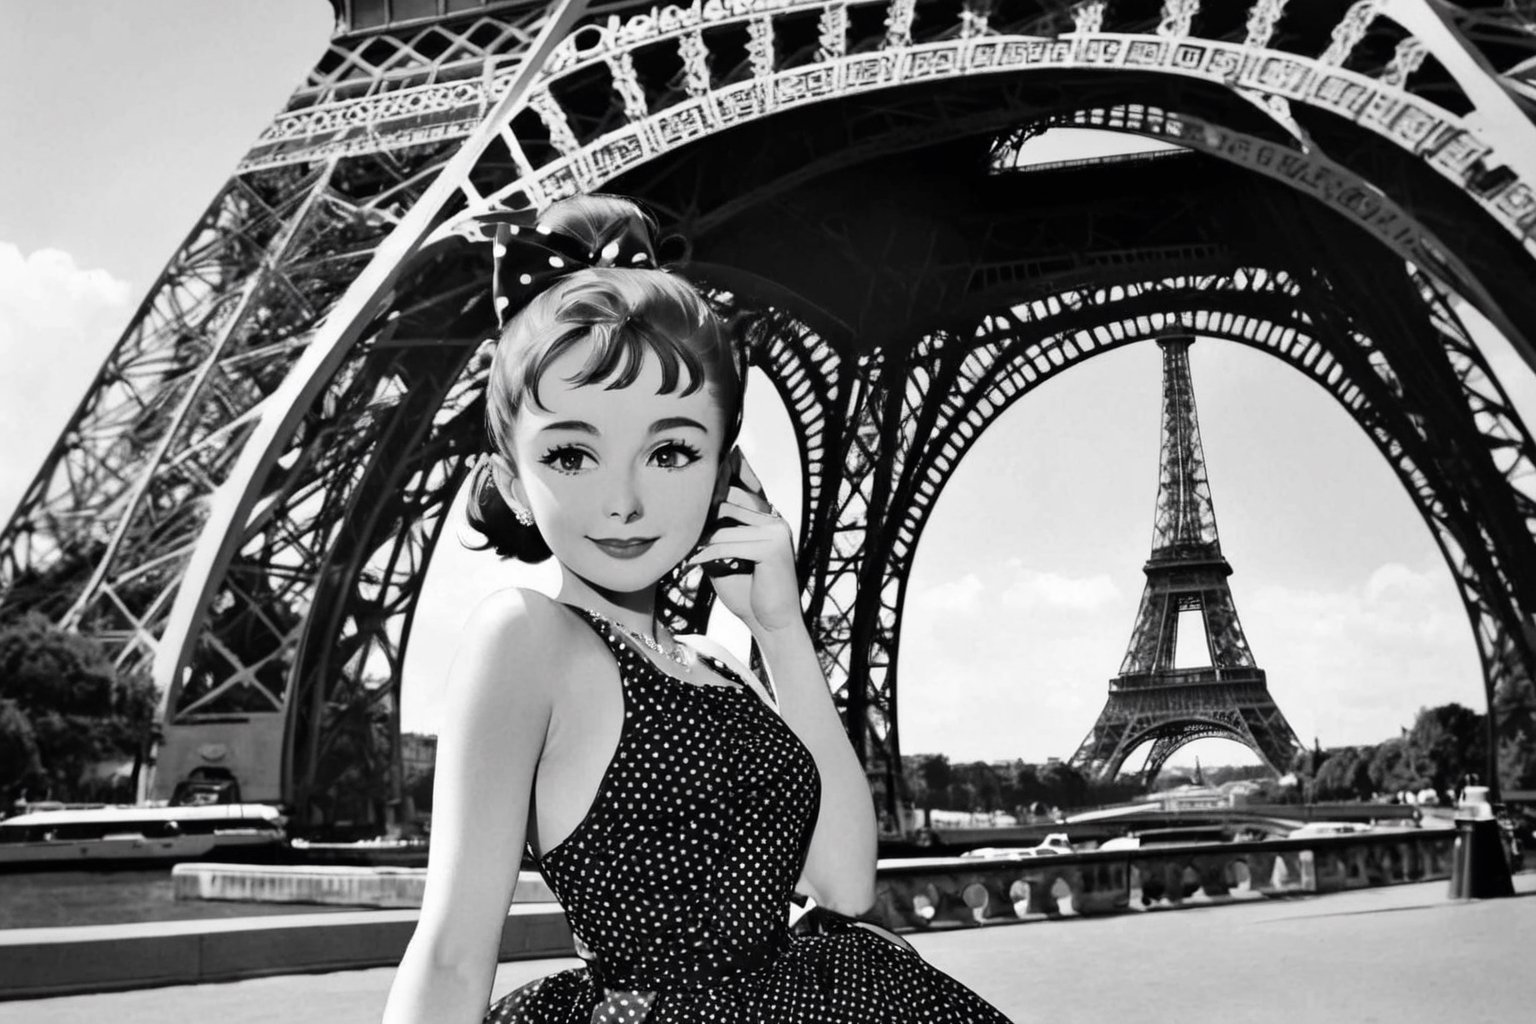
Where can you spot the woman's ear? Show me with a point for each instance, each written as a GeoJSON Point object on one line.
{"type": "Point", "coordinates": [507, 481]}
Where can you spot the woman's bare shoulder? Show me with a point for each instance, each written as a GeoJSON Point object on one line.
{"type": "Point", "coordinates": [518, 613]}
{"type": "Point", "coordinates": [522, 635]}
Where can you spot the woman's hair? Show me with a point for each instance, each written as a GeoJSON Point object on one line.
{"type": "Point", "coordinates": [630, 313]}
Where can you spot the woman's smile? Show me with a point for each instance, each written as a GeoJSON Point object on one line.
{"type": "Point", "coordinates": [632, 547]}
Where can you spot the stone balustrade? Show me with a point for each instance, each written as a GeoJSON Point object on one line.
{"type": "Point", "coordinates": [967, 891]}
{"type": "Point", "coordinates": [382, 887]}
{"type": "Point", "coordinates": [960, 891]}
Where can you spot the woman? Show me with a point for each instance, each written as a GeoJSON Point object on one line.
{"type": "Point", "coordinates": [672, 802]}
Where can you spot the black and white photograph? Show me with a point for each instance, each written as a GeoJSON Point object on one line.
{"type": "Point", "coordinates": [602, 512]}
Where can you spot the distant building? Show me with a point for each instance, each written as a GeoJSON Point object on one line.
{"type": "Point", "coordinates": [418, 753]}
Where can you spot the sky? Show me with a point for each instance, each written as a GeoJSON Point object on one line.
{"type": "Point", "coordinates": [121, 121]}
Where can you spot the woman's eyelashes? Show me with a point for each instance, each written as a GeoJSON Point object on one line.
{"type": "Point", "coordinates": [565, 458]}
{"type": "Point", "coordinates": [571, 459]}
{"type": "Point", "coordinates": [675, 455]}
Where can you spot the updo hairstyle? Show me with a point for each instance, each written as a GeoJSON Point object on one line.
{"type": "Point", "coordinates": [630, 313]}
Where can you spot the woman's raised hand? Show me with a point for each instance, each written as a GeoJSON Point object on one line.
{"type": "Point", "coordinates": [767, 598]}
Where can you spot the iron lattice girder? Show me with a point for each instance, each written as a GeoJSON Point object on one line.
{"type": "Point", "coordinates": [867, 452]}
{"type": "Point", "coordinates": [862, 447]}
{"type": "Point", "coordinates": [1129, 721]}
{"type": "Point", "coordinates": [578, 128]}
{"type": "Point", "coordinates": [1170, 590]}
{"type": "Point", "coordinates": [1301, 73]}
{"type": "Point", "coordinates": [221, 328]}
{"type": "Point", "coordinates": [1323, 361]}
{"type": "Point", "coordinates": [1152, 699]}
{"type": "Point", "coordinates": [1185, 523]}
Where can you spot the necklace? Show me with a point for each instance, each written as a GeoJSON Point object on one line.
{"type": "Point", "coordinates": [679, 654]}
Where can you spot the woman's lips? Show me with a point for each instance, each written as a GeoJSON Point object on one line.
{"type": "Point", "coordinates": [625, 548]}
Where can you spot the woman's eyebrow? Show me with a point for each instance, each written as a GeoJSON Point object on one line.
{"type": "Point", "coordinates": [677, 421]}
{"type": "Point", "coordinates": [579, 425]}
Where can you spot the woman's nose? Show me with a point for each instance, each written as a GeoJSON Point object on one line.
{"type": "Point", "coordinates": [623, 500]}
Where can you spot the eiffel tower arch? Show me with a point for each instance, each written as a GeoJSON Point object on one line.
{"type": "Point", "coordinates": [250, 492]}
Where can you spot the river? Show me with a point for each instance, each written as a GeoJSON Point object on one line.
{"type": "Point", "coordinates": [49, 899]}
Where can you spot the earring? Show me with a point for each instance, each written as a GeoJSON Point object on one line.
{"type": "Point", "coordinates": [522, 515]}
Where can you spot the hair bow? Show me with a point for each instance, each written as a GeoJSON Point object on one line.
{"type": "Point", "coordinates": [529, 258]}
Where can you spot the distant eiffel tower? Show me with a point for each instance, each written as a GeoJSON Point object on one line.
{"type": "Point", "coordinates": [1151, 700]}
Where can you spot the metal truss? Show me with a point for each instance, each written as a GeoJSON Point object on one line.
{"type": "Point", "coordinates": [251, 488]}
{"type": "Point", "coordinates": [1186, 517]}
{"type": "Point", "coordinates": [954, 388]}
{"type": "Point", "coordinates": [1151, 699]}
{"type": "Point", "coordinates": [1180, 708]}
{"type": "Point", "coordinates": [166, 415]}
{"type": "Point", "coordinates": [1361, 376]}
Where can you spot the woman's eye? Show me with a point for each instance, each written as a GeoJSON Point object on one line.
{"type": "Point", "coordinates": [565, 460]}
{"type": "Point", "coordinates": [675, 455]}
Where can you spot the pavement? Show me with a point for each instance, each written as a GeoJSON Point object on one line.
{"type": "Point", "coordinates": [1402, 954]}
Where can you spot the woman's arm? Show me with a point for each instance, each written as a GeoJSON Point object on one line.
{"type": "Point", "coordinates": [840, 863]}
{"type": "Point", "coordinates": [498, 708]}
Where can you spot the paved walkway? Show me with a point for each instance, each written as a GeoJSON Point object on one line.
{"type": "Point", "coordinates": [1401, 954]}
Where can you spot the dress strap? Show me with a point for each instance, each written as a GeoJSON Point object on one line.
{"type": "Point", "coordinates": [698, 642]}
{"type": "Point", "coordinates": [711, 648]}
{"type": "Point", "coordinates": [600, 626]}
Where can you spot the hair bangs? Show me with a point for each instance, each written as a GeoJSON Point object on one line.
{"type": "Point", "coordinates": [623, 340]}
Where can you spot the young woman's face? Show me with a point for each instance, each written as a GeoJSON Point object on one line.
{"type": "Point", "coordinates": [620, 481]}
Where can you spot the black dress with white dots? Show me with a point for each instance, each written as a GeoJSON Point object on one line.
{"type": "Point", "coordinates": [677, 882]}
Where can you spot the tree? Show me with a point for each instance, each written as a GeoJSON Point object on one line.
{"type": "Point", "coordinates": [1021, 786]}
{"type": "Point", "coordinates": [1514, 705]}
{"type": "Point", "coordinates": [353, 771]}
{"type": "Point", "coordinates": [418, 787]}
{"type": "Point", "coordinates": [18, 746]}
{"type": "Point", "coordinates": [1391, 768]}
{"type": "Point", "coordinates": [928, 777]}
{"type": "Point", "coordinates": [1344, 774]}
{"type": "Point", "coordinates": [64, 709]}
{"type": "Point", "coordinates": [1065, 786]}
{"type": "Point", "coordinates": [1119, 790]}
{"type": "Point", "coordinates": [1446, 743]}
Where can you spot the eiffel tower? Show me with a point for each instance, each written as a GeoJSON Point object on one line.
{"type": "Point", "coordinates": [248, 496]}
{"type": "Point", "coordinates": [1151, 700]}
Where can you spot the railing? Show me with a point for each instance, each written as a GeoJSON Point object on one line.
{"type": "Point", "coordinates": [1188, 677]}
{"type": "Point", "coordinates": [956, 891]}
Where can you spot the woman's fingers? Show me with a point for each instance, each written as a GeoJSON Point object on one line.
{"type": "Point", "coordinates": [754, 551]}
{"type": "Point", "coordinates": [749, 499]}
{"type": "Point", "coordinates": [746, 514]}
{"type": "Point", "coordinates": [747, 533]}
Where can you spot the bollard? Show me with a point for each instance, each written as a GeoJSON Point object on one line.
{"type": "Point", "coordinates": [1479, 868]}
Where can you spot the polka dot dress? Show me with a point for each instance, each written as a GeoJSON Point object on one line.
{"type": "Point", "coordinates": [676, 883]}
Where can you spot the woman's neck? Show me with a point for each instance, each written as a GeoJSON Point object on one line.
{"type": "Point", "coordinates": [635, 610]}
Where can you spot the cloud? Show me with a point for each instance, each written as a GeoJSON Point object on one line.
{"type": "Point", "coordinates": [58, 322]}
{"type": "Point", "coordinates": [46, 292]}
{"type": "Point", "coordinates": [1009, 661]}
{"type": "Point", "coordinates": [1352, 664]}
{"type": "Point", "coordinates": [1016, 662]}
{"type": "Point", "coordinates": [1038, 590]}
{"type": "Point", "coordinates": [961, 595]}
{"type": "Point", "coordinates": [1394, 605]}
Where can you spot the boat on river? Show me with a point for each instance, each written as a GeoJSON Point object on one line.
{"type": "Point", "coordinates": [138, 835]}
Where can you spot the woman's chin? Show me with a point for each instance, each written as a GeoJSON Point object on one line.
{"type": "Point", "coordinates": [614, 580]}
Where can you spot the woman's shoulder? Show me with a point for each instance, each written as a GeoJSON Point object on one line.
{"type": "Point", "coordinates": [518, 613]}
{"type": "Point", "coordinates": [516, 628]}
